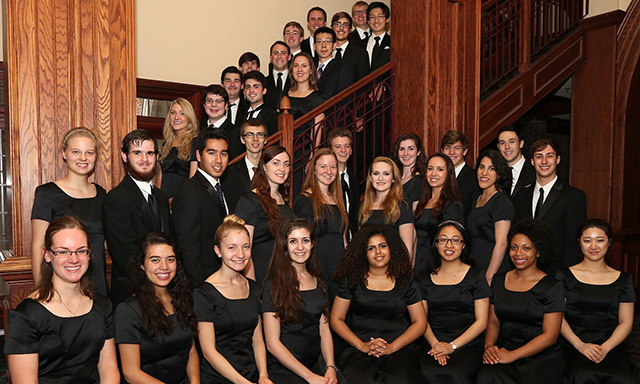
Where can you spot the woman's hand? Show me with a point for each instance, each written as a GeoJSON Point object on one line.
{"type": "Point", "coordinates": [264, 380]}
{"type": "Point", "coordinates": [490, 355]}
{"type": "Point", "coordinates": [441, 349]}
{"type": "Point", "coordinates": [331, 376]}
{"type": "Point", "coordinates": [506, 356]}
{"type": "Point", "coordinates": [592, 352]}
{"type": "Point", "coordinates": [377, 347]}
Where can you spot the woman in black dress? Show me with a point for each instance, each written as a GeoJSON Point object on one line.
{"type": "Point", "coordinates": [294, 310]}
{"type": "Point", "coordinates": [227, 308]}
{"type": "Point", "coordinates": [525, 314]}
{"type": "Point", "coordinates": [265, 207]}
{"type": "Point", "coordinates": [378, 310]}
{"type": "Point", "coordinates": [456, 297]}
{"type": "Point", "coordinates": [383, 202]}
{"type": "Point", "coordinates": [321, 202]}
{"type": "Point", "coordinates": [155, 326]}
{"type": "Point", "coordinates": [490, 218]}
{"type": "Point", "coordinates": [73, 195]}
{"type": "Point", "coordinates": [439, 201]}
{"type": "Point", "coordinates": [599, 317]}
{"type": "Point", "coordinates": [408, 154]}
{"type": "Point", "coordinates": [178, 155]}
{"type": "Point", "coordinates": [62, 332]}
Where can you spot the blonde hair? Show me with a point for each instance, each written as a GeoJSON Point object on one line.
{"type": "Point", "coordinates": [81, 132]}
{"type": "Point", "coordinates": [391, 204]}
{"type": "Point", "coordinates": [191, 131]}
{"type": "Point", "coordinates": [230, 223]}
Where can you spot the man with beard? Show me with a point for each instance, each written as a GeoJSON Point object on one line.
{"type": "Point", "coordinates": [133, 208]}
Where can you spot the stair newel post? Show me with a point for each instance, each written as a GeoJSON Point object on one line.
{"type": "Point", "coordinates": [285, 123]}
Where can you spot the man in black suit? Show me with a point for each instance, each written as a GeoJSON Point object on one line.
{"type": "Point", "coordinates": [510, 147]}
{"type": "Point", "coordinates": [216, 103]}
{"type": "Point", "coordinates": [133, 208]}
{"type": "Point", "coordinates": [199, 207]}
{"type": "Point", "coordinates": [231, 80]}
{"type": "Point", "coordinates": [316, 18]}
{"type": "Point", "coordinates": [558, 204]}
{"type": "Point", "coordinates": [379, 43]}
{"type": "Point", "coordinates": [361, 32]}
{"type": "Point", "coordinates": [254, 92]}
{"type": "Point", "coordinates": [278, 82]}
{"type": "Point", "coordinates": [455, 144]}
{"type": "Point", "coordinates": [292, 34]}
{"type": "Point", "coordinates": [237, 179]}
{"type": "Point", "coordinates": [331, 78]}
{"type": "Point", "coordinates": [353, 58]}
{"type": "Point", "coordinates": [340, 140]}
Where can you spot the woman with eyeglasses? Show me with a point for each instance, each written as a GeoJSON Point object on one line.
{"type": "Point", "coordinates": [62, 332]}
{"type": "Point", "coordinates": [456, 297]}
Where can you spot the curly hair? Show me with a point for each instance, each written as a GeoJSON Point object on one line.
{"type": "Point", "coordinates": [391, 204]}
{"type": "Point", "coordinates": [503, 171]}
{"type": "Point", "coordinates": [154, 317]}
{"type": "Point", "coordinates": [449, 190]}
{"type": "Point", "coordinates": [541, 236]}
{"type": "Point", "coordinates": [420, 167]}
{"type": "Point", "coordinates": [190, 132]}
{"type": "Point", "coordinates": [435, 261]}
{"type": "Point", "coordinates": [285, 287]}
{"type": "Point", "coordinates": [354, 265]}
{"type": "Point", "coordinates": [261, 184]}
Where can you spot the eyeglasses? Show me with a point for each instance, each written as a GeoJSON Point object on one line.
{"type": "Point", "coordinates": [217, 101]}
{"type": "Point", "coordinates": [250, 135]}
{"type": "Point", "coordinates": [379, 17]}
{"type": "Point", "coordinates": [323, 42]}
{"type": "Point", "coordinates": [66, 253]}
{"type": "Point", "coordinates": [338, 24]}
{"type": "Point", "coordinates": [453, 240]}
{"type": "Point", "coordinates": [360, 12]}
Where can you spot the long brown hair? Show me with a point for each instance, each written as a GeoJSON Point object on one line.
{"type": "Point", "coordinates": [191, 131]}
{"type": "Point", "coordinates": [311, 189]}
{"type": "Point", "coordinates": [285, 287]}
{"type": "Point", "coordinates": [449, 189]}
{"type": "Point", "coordinates": [261, 184]}
{"type": "Point", "coordinates": [313, 77]}
{"type": "Point", "coordinates": [391, 204]}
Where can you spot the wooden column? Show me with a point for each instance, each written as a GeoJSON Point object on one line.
{"type": "Point", "coordinates": [436, 45]}
{"type": "Point", "coordinates": [68, 63]}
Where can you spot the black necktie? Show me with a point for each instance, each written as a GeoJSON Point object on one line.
{"type": "Point", "coordinates": [376, 46]}
{"type": "Point", "coordinates": [539, 205]}
{"type": "Point", "coordinates": [229, 113]}
{"type": "Point", "coordinates": [377, 39]}
{"type": "Point", "coordinates": [254, 113]}
{"type": "Point", "coordinates": [221, 197]}
{"type": "Point", "coordinates": [155, 209]}
{"type": "Point", "coordinates": [345, 188]}
{"type": "Point", "coordinates": [279, 82]}
{"type": "Point", "coordinates": [366, 35]}
{"type": "Point", "coordinates": [338, 53]}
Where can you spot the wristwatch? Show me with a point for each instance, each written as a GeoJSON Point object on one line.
{"type": "Point", "coordinates": [453, 346]}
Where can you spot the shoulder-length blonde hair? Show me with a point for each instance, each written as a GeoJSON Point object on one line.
{"type": "Point", "coordinates": [391, 204]}
{"type": "Point", "coordinates": [191, 131]}
{"type": "Point", "coordinates": [313, 76]}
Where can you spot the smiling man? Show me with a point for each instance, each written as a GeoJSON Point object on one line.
{"type": "Point", "coordinates": [199, 207]}
{"type": "Point", "coordinates": [353, 58]}
{"type": "Point", "coordinates": [293, 34]}
{"type": "Point", "coordinates": [379, 42]}
{"type": "Point", "coordinates": [278, 82]}
{"type": "Point", "coordinates": [455, 144]}
{"type": "Point", "coordinates": [340, 140]}
{"type": "Point", "coordinates": [316, 18]}
{"type": "Point", "coordinates": [510, 147]}
{"type": "Point", "coordinates": [231, 80]}
{"type": "Point", "coordinates": [133, 208]}
{"type": "Point", "coordinates": [255, 90]}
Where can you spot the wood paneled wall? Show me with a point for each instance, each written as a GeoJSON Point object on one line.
{"type": "Point", "coordinates": [68, 63]}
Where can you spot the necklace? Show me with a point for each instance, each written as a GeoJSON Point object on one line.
{"type": "Point", "coordinates": [70, 311]}
{"type": "Point", "coordinates": [452, 274]}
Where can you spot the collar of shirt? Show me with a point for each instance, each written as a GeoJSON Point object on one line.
{"type": "Point", "coordinates": [343, 47]}
{"type": "Point", "coordinates": [459, 168]}
{"type": "Point", "coordinates": [285, 73]}
{"type": "Point", "coordinates": [219, 123]}
{"type": "Point", "coordinates": [362, 31]}
{"type": "Point", "coordinates": [249, 167]}
{"type": "Point", "coordinates": [545, 188]}
{"type": "Point", "coordinates": [295, 53]}
{"type": "Point", "coordinates": [144, 186]}
{"type": "Point", "coordinates": [324, 65]}
{"type": "Point", "coordinates": [209, 178]}
{"type": "Point", "coordinates": [251, 110]}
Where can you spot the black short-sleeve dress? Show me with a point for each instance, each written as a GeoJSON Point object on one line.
{"type": "Point", "coordinates": [426, 226]}
{"type": "Point", "coordinates": [521, 315]}
{"type": "Point", "coordinates": [68, 348]}
{"type": "Point", "coordinates": [250, 210]}
{"type": "Point", "coordinates": [163, 357]}
{"type": "Point", "coordinates": [451, 313]}
{"type": "Point", "coordinates": [175, 171]}
{"type": "Point", "coordinates": [481, 222]}
{"type": "Point", "coordinates": [301, 338]}
{"type": "Point", "coordinates": [234, 321]}
{"type": "Point", "coordinates": [406, 217]}
{"type": "Point", "coordinates": [592, 313]}
{"type": "Point", "coordinates": [51, 202]}
{"type": "Point", "coordinates": [380, 314]}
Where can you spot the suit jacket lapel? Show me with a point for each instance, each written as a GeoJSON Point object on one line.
{"type": "Point", "coordinates": [528, 199]}
{"type": "Point", "coordinates": [145, 214]}
{"type": "Point", "coordinates": [211, 191]}
{"type": "Point", "coordinates": [555, 192]}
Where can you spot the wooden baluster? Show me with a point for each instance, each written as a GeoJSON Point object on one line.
{"type": "Point", "coordinates": [285, 122]}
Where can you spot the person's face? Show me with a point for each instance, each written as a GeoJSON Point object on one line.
{"type": "Point", "coordinates": [342, 28]}
{"type": "Point", "coordinates": [324, 45]}
{"type": "Point", "coordinates": [280, 57]}
{"type": "Point", "coordinates": [141, 160]}
{"type": "Point", "coordinates": [510, 146]}
{"type": "Point", "coordinates": [160, 264]}
{"type": "Point", "coordinates": [359, 14]}
{"type": "Point", "coordinates": [341, 146]}
{"type": "Point", "coordinates": [378, 253]}
{"type": "Point", "coordinates": [456, 152]}
{"type": "Point", "coordinates": [377, 21]}
{"type": "Point", "coordinates": [178, 118]}
{"type": "Point", "coordinates": [214, 157]}
{"type": "Point", "coordinates": [249, 66]}
{"type": "Point", "coordinates": [215, 106]}
{"type": "Point", "coordinates": [277, 170]}
{"type": "Point", "coordinates": [326, 169]}
{"type": "Point", "coordinates": [293, 37]}
{"type": "Point", "coordinates": [436, 172]}
{"type": "Point", "coordinates": [449, 251]}
{"type": "Point", "coordinates": [487, 175]}
{"type": "Point", "coordinates": [299, 245]}
{"type": "Point", "coordinates": [594, 243]}
{"type": "Point", "coordinates": [408, 153]}
{"type": "Point", "coordinates": [232, 84]}
{"type": "Point", "coordinates": [301, 69]}
{"type": "Point", "coordinates": [254, 139]}
{"type": "Point", "coordinates": [254, 92]}
{"type": "Point", "coordinates": [315, 21]}
{"type": "Point", "coordinates": [522, 252]}
{"type": "Point", "coordinates": [70, 267]}
{"type": "Point", "coordinates": [381, 176]}
{"type": "Point", "coordinates": [80, 155]}
{"type": "Point", "coordinates": [234, 250]}
{"type": "Point", "coordinates": [545, 162]}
